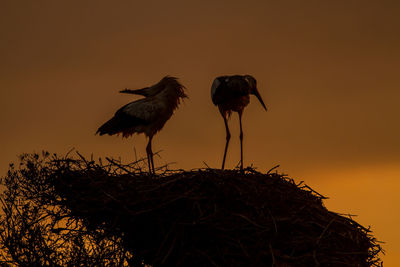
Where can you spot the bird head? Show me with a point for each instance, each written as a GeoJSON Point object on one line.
{"type": "Point", "coordinates": [144, 91]}
{"type": "Point", "coordinates": [153, 90]}
{"type": "Point", "coordinates": [147, 91]}
{"type": "Point", "coordinates": [253, 88]}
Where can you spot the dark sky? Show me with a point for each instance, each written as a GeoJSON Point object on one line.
{"type": "Point", "coordinates": [327, 70]}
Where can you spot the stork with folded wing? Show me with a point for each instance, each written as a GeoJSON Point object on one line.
{"type": "Point", "coordinates": [147, 115]}
{"type": "Point", "coordinates": [232, 93]}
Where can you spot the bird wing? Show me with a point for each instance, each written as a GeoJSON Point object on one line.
{"type": "Point", "coordinates": [140, 112]}
{"type": "Point", "coordinates": [147, 110]}
{"type": "Point", "coordinates": [225, 88]}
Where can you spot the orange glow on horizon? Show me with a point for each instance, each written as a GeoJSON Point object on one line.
{"type": "Point", "coordinates": [327, 70]}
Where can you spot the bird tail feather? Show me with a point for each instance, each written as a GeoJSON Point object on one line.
{"type": "Point", "coordinates": [112, 126]}
{"type": "Point", "coordinates": [121, 123]}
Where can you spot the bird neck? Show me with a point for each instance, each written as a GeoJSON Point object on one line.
{"type": "Point", "coordinates": [171, 97]}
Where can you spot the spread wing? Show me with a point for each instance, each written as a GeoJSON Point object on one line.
{"type": "Point", "coordinates": [225, 88]}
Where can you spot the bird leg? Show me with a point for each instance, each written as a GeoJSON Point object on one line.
{"type": "Point", "coordinates": [152, 160]}
{"type": "Point", "coordinates": [241, 140]}
{"type": "Point", "coordinates": [228, 137]}
{"type": "Point", "coordinates": [150, 156]}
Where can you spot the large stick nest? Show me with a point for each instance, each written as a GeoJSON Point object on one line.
{"type": "Point", "coordinates": [211, 217]}
{"type": "Point", "coordinates": [78, 212]}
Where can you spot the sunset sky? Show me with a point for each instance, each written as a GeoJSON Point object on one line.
{"type": "Point", "coordinates": [329, 72]}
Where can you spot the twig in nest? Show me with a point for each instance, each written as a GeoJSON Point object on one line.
{"type": "Point", "coordinates": [273, 168]}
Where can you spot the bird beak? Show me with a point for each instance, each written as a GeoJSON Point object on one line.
{"type": "Point", "coordinates": [143, 91]}
{"type": "Point", "coordinates": [257, 94]}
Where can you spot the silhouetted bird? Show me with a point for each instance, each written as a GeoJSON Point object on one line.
{"type": "Point", "coordinates": [147, 115]}
{"type": "Point", "coordinates": [232, 93]}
